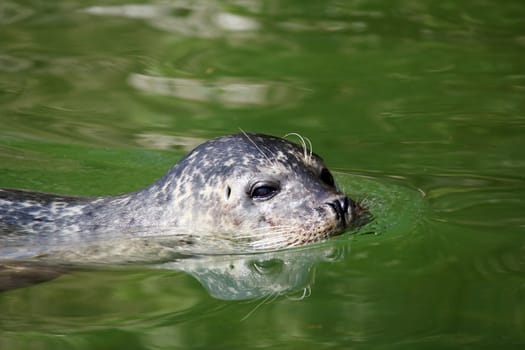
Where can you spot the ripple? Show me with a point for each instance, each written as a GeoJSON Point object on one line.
{"type": "Point", "coordinates": [11, 12]}
{"type": "Point", "coordinates": [195, 19]}
{"type": "Point", "coordinates": [506, 260]}
{"type": "Point", "coordinates": [226, 91]}
{"type": "Point", "coordinates": [158, 141]}
{"type": "Point", "coordinates": [476, 200]}
{"type": "Point", "coordinates": [69, 300]}
{"type": "Point", "coordinates": [396, 208]}
{"type": "Point", "coordinates": [12, 64]}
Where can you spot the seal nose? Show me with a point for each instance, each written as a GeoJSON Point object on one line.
{"type": "Point", "coordinates": [341, 207]}
{"type": "Point", "coordinates": [345, 204]}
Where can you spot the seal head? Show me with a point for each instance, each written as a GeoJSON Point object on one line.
{"type": "Point", "coordinates": [259, 189]}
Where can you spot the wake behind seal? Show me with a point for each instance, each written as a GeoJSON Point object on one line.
{"type": "Point", "coordinates": [239, 193]}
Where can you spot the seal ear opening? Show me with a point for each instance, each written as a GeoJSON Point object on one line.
{"type": "Point", "coordinates": [228, 192]}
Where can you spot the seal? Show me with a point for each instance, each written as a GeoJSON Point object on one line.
{"type": "Point", "coordinates": [238, 193]}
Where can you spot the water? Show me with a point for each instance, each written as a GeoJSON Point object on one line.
{"type": "Point", "coordinates": [418, 107]}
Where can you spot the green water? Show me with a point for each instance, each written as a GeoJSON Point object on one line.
{"type": "Point", "coordinates": [418, 106]}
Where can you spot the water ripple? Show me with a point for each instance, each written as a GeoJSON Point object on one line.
{"type": "Point", "coordinates": [228, 92]}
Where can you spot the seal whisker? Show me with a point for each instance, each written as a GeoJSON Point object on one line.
{"type": "Point", "coordinates": [269, 242]}
{"type": "Point", "coordinates": [307, 291]}
{"type": "Point", "coordinates": [269, 152]}
{"type": "Point", "coordinates": [268, 233]}
{"type": "Point", "coordinates": [272, 228]}
{"type": "Point", "coordinates": [266, 300]}
{"type": "Point", "coordinates": [256, 146]}
{"type": "Point", "coordinates": [308, 150]}
{"type": "Point", "coordinates": [311, 149]}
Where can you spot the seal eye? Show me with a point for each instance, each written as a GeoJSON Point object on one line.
{"type": "Point", "coordinates": [263, 191]}
{"type": "Point", "coordinates": [327, 177]}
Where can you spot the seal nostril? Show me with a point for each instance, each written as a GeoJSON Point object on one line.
{"type": "Point", "coordinates": [346, 203]}
{"type": "Point", "coordinates": [349, 204]}
{"type": "Point", "coordinates": [338, 207]}
{"type": "Point", "coordinates": [341, 207]}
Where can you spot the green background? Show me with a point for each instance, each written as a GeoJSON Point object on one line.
{"type": "Point", "coordinates": [425, 99]}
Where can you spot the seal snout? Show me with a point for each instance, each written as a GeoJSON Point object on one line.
{"type": "Point", "coordinates": [343, 208]}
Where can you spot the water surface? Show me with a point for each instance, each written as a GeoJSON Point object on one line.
{"type": "Point", "coordinates": [418, 108]}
